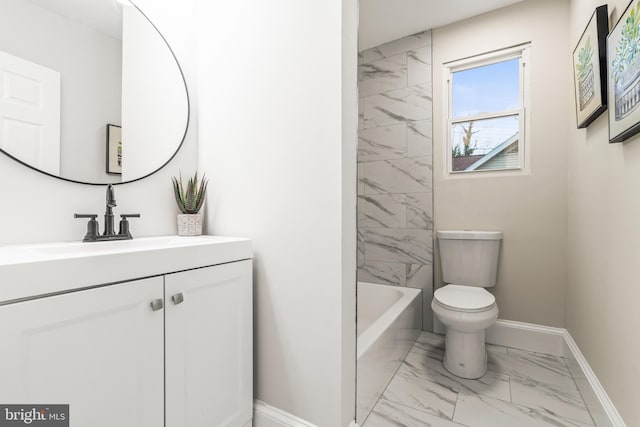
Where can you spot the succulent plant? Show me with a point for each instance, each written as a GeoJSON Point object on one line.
{"type": "Point", "coordinates": [628, 46]}
{"type": "Point", "coordinates": [191, 200]}
{"type": "Point", "coordinates": [584, 60]}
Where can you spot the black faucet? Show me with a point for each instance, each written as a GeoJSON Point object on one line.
{"type": "Point", "coordinates": [93, 234]}
{"type": "Point", "coordinates": [108, 214]}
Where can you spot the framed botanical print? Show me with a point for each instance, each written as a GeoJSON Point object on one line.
{"type": "Point", "coordinates": [623, 58]}
{"type": "Point", "coordinates": [114, 150]}
{"type": "Point", "coordinates": [589, 69]}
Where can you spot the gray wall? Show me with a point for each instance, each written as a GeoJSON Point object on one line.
{"type": "Point", "coordinates": [395, 198]}
{"type": "Point", "coordinates": [604, 243]}
{"type": "Point", "coordinates": [530, 208]}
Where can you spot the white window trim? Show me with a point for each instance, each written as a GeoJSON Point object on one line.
{"type": "Point", "coordinates": [520, 51]}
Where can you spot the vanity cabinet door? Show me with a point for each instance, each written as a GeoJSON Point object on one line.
{"type": "Point", "coordinates": [98, 350]}
{"type": "Point", "coordinates": [208, 333]}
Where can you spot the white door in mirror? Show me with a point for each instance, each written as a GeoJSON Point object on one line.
{"type": "Point", "coordinates": [30, 112]}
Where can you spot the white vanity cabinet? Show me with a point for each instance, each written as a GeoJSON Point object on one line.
{"type": "Point", "coordinates": [99, 350]}
{"type": "Point", "coordinates": [209, 347]}
{"type": "Point", "coordinates": [172, 350]}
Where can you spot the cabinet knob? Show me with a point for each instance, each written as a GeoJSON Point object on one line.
{"type": "Point", "coordinates": [177, 298]}
{"type": "Point", "coordinates": [157, 304]}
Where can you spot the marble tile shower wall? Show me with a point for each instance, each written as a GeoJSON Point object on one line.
{"type": "Point", "coordinates": [395, 178]}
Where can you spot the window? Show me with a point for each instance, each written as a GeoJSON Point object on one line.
{"type": "Point", "coordinates": [486, 107]}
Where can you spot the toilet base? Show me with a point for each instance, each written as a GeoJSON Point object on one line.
{"type": "Point", "coordinates": [465, 354]}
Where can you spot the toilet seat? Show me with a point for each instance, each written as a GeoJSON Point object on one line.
{"type": "Point", "coordinates": [467, 299]}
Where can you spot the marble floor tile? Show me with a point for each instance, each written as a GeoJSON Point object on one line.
{"type": "Point", "coordinates": [476, 410]}
{"type": "Point", "coordinates": [429, 338]}
{"type": "Point", "coordinates": [425, 396]}
{"type": "Point", "coordinates": [431, 345]}
{"type": "Point", "coordinates": [389, 414]}
{"type": "Point", "coordinates": [427, 350]}
{"type": "Point", "coordinates": [521, 389]}
{"type": "Point", "coordinates": [562, 401]}
{"type": "Point", "coordinates": [430, 369]}
{"type": "Point", "coordinates": [526, 365]}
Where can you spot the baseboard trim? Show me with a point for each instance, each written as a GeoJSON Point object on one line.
{"type": "Point", "coordinates": [269, 416]}
{"type": "Point", "coordinates": [558, 342]}
{"type": "Point", "coordinates": [527, 336]}
{"type": "Point", "coordinates": [600, 405]}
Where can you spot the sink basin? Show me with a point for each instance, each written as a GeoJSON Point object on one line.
{"type": "Point", "coordinates": [89, 248]}
{"type": "Point", "coordinates": [47, 251]}
{"type": "Point", "coordinates": [41, 269]}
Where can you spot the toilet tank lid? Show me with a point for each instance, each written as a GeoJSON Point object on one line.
{"type": "Point", "coordinates": [469, 235]}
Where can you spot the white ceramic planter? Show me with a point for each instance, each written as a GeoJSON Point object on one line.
{"type": "Point", "coordinates": [189, 224]}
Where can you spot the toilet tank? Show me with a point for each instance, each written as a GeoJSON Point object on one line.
{"type": "Point", "coordinates": [469, 258]}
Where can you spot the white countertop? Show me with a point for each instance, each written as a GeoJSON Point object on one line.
{"type": "Point", "coordinates": [41, 269]}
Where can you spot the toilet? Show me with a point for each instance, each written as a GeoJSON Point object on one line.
{"type": "Point", "coordinates": [469, 262]}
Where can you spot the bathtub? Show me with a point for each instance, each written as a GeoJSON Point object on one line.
{"type": "Point", "coordinates": [389, 321]}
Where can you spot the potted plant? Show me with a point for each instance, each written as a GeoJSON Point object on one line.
{"type": "Point", "coordinates": [190, 201]}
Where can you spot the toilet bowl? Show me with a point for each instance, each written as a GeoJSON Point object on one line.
{"type": "Point", "coordinates": [469, 264]}
{"type": "Point", "coordinates": [466, 312]}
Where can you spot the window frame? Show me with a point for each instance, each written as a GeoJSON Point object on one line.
{"type": "Point", "coordinates": [520, 52]}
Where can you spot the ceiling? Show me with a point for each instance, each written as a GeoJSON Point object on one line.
{"type": "Point", "coordinates": [382, 21]}
{"type": "Point", "coordinates": [104, 16]}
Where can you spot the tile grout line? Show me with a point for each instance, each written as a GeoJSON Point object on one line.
{"type": "Point", "coordinates": [455, 406]}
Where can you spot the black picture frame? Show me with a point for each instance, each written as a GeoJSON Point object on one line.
{"type": "Point", "coordinates": [114, 150]}
{"type": "Point", "coordinates": [589, 69]}
{"type": "Point", "coordinates": [623, 78]}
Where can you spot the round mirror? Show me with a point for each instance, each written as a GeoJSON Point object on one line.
{"type": "Point", "coordinates": [90, 91]}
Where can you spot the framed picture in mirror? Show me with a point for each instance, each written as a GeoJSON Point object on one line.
{"type": "Point", "coordinates": [589, 69]}
{"type": "Point", "coordinates": [114, 150]}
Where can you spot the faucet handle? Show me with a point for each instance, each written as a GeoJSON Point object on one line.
{"type": "Point", "coordinates": [92, 216]}
{"type": "Point", "coordinates": [124, 224]}
{"type": "Point", "coordinates": [92, 226]}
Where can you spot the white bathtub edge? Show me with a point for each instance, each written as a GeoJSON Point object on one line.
{"type": "Point", "coordinates": [384, 344]}
{"type": "Point", "coordinates": [371, 335]}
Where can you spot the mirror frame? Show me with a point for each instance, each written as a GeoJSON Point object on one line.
{"type": "Point", "coordinates": [184, 135]}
